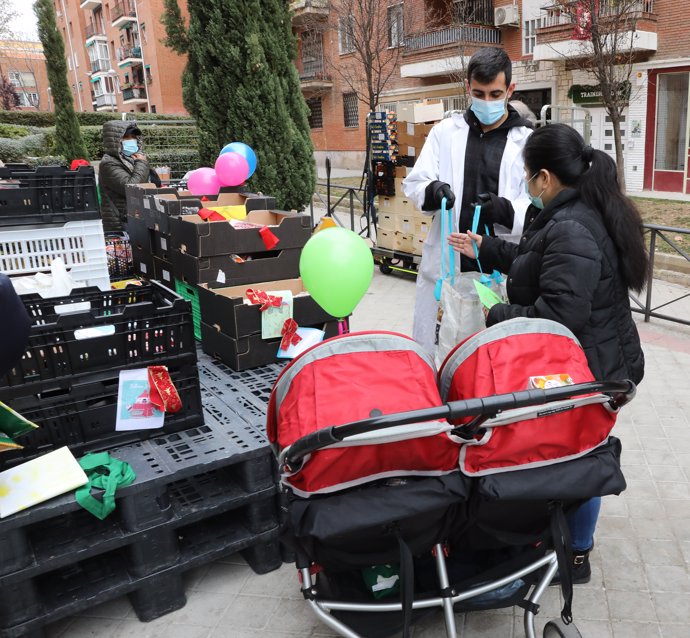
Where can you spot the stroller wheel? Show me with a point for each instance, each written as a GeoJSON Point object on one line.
{"type": "Point", "coordinates": [558, 629]}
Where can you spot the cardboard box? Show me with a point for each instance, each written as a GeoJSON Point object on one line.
{"type": "Point", "coordinates": [417, 245]}
{"type": "Point", "coordinates": [422, 226]}
{"type": "Point", "coordinates": [140, 236]}
{"type": "Point", "coordinates": [385, 239]}
{"type": "Point", "coordinates": [251, 351]}
{"type": "Point", "coordinates": [405, 224]}
{"type": "Point", "coordinates": [225, 308]}
{"type": "Point", "coordinates": [137, 197]}
{"type": "Point", "coordinates": [428, 112]}
{"type": "Point", "coordinates": [397, 204]}
{"type": "Point", "coordinates": [386, 221]}
{"type": "Point", "coordinates": [159, 208]}
{"type": "Point", "coordinates": [161, 245]}
{"type": "Point", "coordinates": [221, 271]}
{"type": "Point", "coordinates": [163, 272]}
{"type": "Point", "coordinates": [193, 235]}
{"type": "Point", "coordinates": [402, 171]}
{"type": "Point", "coordinates": [142, 261]}
{"type": "Point", "coordinates": [403, 243]}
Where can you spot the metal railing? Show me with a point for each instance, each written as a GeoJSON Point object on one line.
{"type": "Point", "coordinates": [128, 52]}
{"type": "Point", "coordinates": [134, 93]}
{"type": "Point", "coordinates": [90, 30]}
{"type": "Point", "coordinates": [450, 35]}
{"type": "Point", "coordinates": [645, 307]}
{"type": "Point", "coordinates": [122, 9]}
{"type": "Point", "coordinates": [567, 12]}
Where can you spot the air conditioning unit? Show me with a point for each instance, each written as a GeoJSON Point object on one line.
{"type": "Point", "coordinates": [507, 16]}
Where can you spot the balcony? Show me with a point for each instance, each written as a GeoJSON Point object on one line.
{"type": "Point", "coordinates": [105, 102]}
{"type": "Point", "coordinates": [128, 56]}
{"type": "Point", "coordinates": [437, 52]}
{"type": "Point", "coordinates": [312, 75]}
{"type": "Point", "coordinates": [564, 30]}
{"type": "Point", "coordinates": [307, 10]}
{"type": "Point", "coordinates": [134, 95]}
{"type": "Point", "coordinates": [90, 4]}
{"type": "Point", "coordinates": [100, 65]}
{"type": "Point", "coordinates": [123, 13]}
{"type": "Point", "coordinates": [94, 32]}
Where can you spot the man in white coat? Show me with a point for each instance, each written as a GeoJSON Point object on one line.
{"type": "Point", "coordinates": [470, 157]}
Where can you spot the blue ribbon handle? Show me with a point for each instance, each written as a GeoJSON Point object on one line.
{"type": "Point", "coordinates": [496, 276]}
{"type": "Point", "coordinates": [446, 225]}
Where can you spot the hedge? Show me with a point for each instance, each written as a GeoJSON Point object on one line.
{"type": "Point", "coordinates": [15, 150]}
{"type": "Point", "coordinates": [91, 118]}
{"type": "Point", "coordinates": [12, 131]}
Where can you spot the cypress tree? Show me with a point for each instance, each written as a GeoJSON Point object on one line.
{"type": "Point", "coordinates": [68, 139]}
{"type": "Point", "coordinates": [241, 84]}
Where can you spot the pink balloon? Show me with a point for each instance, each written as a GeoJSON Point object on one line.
{"type": "Point", "coordinates": [232, 169]}
{"type": "Point", "coordinates": [203, 181]}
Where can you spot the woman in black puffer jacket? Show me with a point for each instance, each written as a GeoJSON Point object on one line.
{"type": "Point", "coordinates": [582, 249]}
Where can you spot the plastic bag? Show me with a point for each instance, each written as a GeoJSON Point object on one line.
{"type": "Point", "coordinates": [460, 313]}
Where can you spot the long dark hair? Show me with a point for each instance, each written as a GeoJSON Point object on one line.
{"type": "Point", "coordinates": [560, 149]}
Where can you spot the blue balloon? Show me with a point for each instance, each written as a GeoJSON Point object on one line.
{"type": "Point", "coordinates": [245, 151]}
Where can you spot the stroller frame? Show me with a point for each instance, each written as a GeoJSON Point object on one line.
{"type": "Point", "coordinates": [322, 607]}
{"type": "Point", "coordinates": [499, 409]}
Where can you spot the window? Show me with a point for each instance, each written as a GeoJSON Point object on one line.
{"type": "Point", "coordinates": [530, 35]}
{"type": "Point", "coordinates": [28, 99]}
{"type": "Point", "coordinates": [395, 26]}
{"type": "Point", "coordinates": [312, 55]}
{"type": "Point", "coordinates": [350, 110]}
{"type": "Point", "coordinates": [473, 12]}
{"type": "Point", "coordinates": [15, 78]}
{"type": "Point", "coordinates": [315, 112]}
{"type": "Point", "coordinates": [346, 34]}
{"type": "Point", "coordinates": [672, 108]}
{"type": "Point", "coordinates": [388, 107]}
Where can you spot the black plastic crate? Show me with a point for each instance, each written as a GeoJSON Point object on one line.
{"type": "Point", "coordinates": [152, 552]}
{"type": "Point", "coordinates": [143, 325]}
{"type": "Point", "coordinates": [160, 596]}
{"type": "Point", "coordinates": [119, 254]}
{"type": "Point", "coordinates": [47, 195]}
{"type": "Point", "coordinates": [82, 416]}
{"type": "Point", "coordinates": [15, 551]}
{"type": "Point", "coordinates": [20, 602]}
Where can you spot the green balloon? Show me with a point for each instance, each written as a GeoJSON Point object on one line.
{"type": "Point", "coordinates": [336, 267]}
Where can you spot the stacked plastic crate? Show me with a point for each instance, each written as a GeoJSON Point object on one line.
{"type": "Point", "coordinates": [50, 212]}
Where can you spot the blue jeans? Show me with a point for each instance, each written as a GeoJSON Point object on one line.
{"type": "Point", "coordinates": [582, 523]}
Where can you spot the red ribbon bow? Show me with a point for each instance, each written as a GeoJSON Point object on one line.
{"type": "Point", "coordinates": [162, 391]}
{"type": "Point", "coordinates": [267, 301]}
{"type": "Point", "coordinates": [289, 333]}
{"type": "Point", "coordinates": [268, 237]}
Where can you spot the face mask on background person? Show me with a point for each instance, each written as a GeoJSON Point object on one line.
{"type": "Point", "coordinates": [537, 201]}
{"type": "Point", "coordinates": [129, 147]}
{"type": "Point", "coordinates": [488, 111]}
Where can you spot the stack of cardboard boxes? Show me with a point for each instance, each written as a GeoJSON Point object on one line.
{"type": "Point", "coordinates": [402, 227]}
{"type": "Point", "coordinates": [214, 263]}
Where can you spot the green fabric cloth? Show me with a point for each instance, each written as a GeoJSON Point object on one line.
{"type": "Point", "coordinates": [382, 580]}
{"type": "Point", "coordinates": [104, 473]}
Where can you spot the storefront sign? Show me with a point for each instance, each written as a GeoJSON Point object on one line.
{"type": "Point", "coordinates": [591, 93]}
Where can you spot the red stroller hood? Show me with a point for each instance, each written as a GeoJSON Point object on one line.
{"type": "Point", "coordinates": [349, 378]}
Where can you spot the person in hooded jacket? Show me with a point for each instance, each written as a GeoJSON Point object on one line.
{"type": "Point", "coordinates": [468, 158]}
{"type": "Point", "coordinates": [581, 251]}
{"type": "Point", "coordinates": [122, 163]}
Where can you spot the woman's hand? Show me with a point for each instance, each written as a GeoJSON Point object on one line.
{"type": "Point", "coordinates": [462, 242]}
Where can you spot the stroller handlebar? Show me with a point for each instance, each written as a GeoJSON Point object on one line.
{"type": "Point", "coordinates": [620, 393]}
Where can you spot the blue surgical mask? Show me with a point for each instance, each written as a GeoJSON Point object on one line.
{"type": "Point", "coordinates": [488, 112]}
{"type": "Point", "coordinates": [129, 147]}
{"type": "Point", "coordinates": [537, 201]}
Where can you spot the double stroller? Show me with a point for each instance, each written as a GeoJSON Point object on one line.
{"type": "Point", "coordinates": [408, 491]}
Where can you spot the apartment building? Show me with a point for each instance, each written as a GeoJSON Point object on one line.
{"type": "Point", "coordinates": [434, 38]}
{"type": "Point", "coordinates": [115, 56]}
{"type": "Point", "coordinates": [22, 62]}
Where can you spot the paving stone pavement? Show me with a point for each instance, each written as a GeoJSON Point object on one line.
{"type": "Point", "coordinates": [640, 584]}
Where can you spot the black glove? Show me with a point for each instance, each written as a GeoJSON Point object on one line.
{"type": "Point", "coordinates": [495, 210]}
{"type": "Point", "coordinates": [434, 193]}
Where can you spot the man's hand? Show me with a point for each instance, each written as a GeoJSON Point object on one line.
{"type": "Point", "coordinates": [139, 156]}
{"type": "Point", "coordinates": [434, 193]}
{"type": "Point", "coordinates": [486, 202]}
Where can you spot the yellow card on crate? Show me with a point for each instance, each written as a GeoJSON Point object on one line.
{"type": "Point", "coordinates": [39, 480]}
{"type": "Point", "coordinates": [230, 212]}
